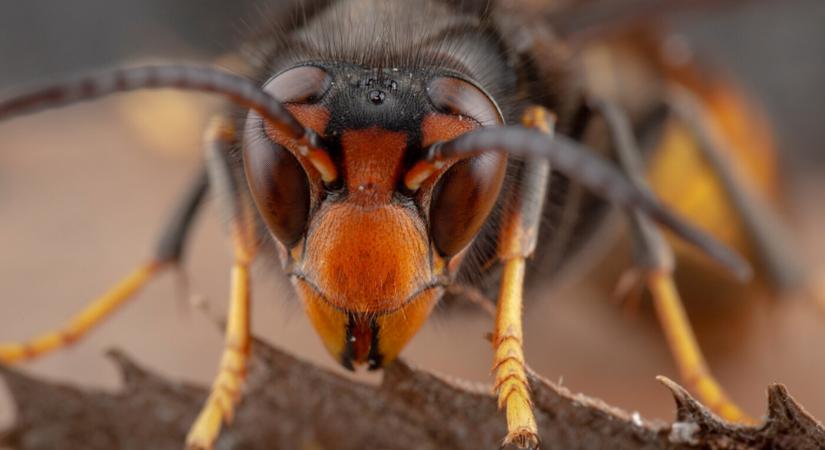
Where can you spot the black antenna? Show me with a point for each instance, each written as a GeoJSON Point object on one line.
{"type": "Point", "coordinates": [238, 89]}
{"type": "Point", "coordinates": [584, 166]}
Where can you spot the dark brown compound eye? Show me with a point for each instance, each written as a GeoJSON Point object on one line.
{"type": "Point", "coordinates": [467, 192]}
{"type": "Point", "coordinates": [462, 200]}
{"type": "Point", "coordinates": [277, 181]}
{"type": "Point", "coordinates": [302, 84]}
{"type": "Point", "coordinates": [456, 96]}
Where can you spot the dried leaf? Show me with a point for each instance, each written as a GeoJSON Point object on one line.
{"type": "Point", "coordinates": [291, 404]}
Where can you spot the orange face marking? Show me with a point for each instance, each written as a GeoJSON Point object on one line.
{"type": "Point", "coordinates": [366, 254]}
{"type": "Point", "coordinates": [314, 117]}
{"type": "Point", "coordinates": [367, 261]}
{"type": "Point", "coordinates": [372, 161]}
{"type": "Point", "coordinates": [366, 264]}
{"type": "Point", "coordinates": [328, 321]}
{"type": "Point", "coordinates": [394, 328]}
{"type": "Point", "coordinates": [443, 127]}
{"type": "Point", "coordinates": [365, 268]}
{"type": "Point", "coordinates": [397, 328]}
{"type": "Point", "coordinates": [435, 128]}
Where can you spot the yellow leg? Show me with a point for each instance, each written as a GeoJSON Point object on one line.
{"type": "Point", "coordinates": [692, 367]}
{"type": "Point", "coordinates": [511, 381]}
{"type": "Point", "coordinates": [93, 315]}
{"type": "Point", "coordinates": [516, 243]}
{"type": "Point", "coordinates": [226, 389]}
{"type": "Point", "coordinates": [655, 263]}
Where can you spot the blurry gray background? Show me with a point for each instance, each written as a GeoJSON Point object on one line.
{"type": "Point", "coordinates": [83, 191]}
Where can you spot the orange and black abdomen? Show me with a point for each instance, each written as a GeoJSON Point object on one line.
{"type": "Point", "coordinates": [683, 178]}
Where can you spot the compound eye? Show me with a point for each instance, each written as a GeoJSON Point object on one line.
{"type": "Point", "coordinates": [462, 200]}
{"type": "Point", "coordinates": [302, 84]}
{"type": "Point", "coordinates": [467, 192]}
{"type": "Point", "coordinates": [453, 95]}
{"type": "Point", "coordinates": [278, 183]}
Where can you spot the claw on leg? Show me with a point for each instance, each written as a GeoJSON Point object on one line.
{"type": "Point", "coordinates": [685, 349]}
{"type": "Point", "coordinates": [629, 290]}
{"type": "Point", "coordinates": [93, 315]}
{"type": "Point", "coordinates": [226, 389]}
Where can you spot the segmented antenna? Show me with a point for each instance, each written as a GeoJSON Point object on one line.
{"type": "Point", "coordinates": [239, 90]}
{"type": "Point", "coordinates": [583, 166]}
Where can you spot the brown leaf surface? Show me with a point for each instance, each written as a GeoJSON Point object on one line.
{"type": "Point", "coordinates": [291, 404]}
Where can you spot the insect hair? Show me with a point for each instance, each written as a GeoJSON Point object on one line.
{"type": "Point", "coordinates": [428, 35]}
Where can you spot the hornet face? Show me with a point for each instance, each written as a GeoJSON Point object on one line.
{"type": "Point", "coordinates": [368, 257]}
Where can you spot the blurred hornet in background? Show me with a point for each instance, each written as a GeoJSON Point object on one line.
{"type": "Point", "coordinates": [389, 151]}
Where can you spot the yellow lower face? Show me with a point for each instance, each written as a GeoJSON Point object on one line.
{"type": "Point", "coordinates": [358, 338]}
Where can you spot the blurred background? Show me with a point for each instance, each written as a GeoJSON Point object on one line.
{"type": "Point", "coordinates": [84, 191]}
